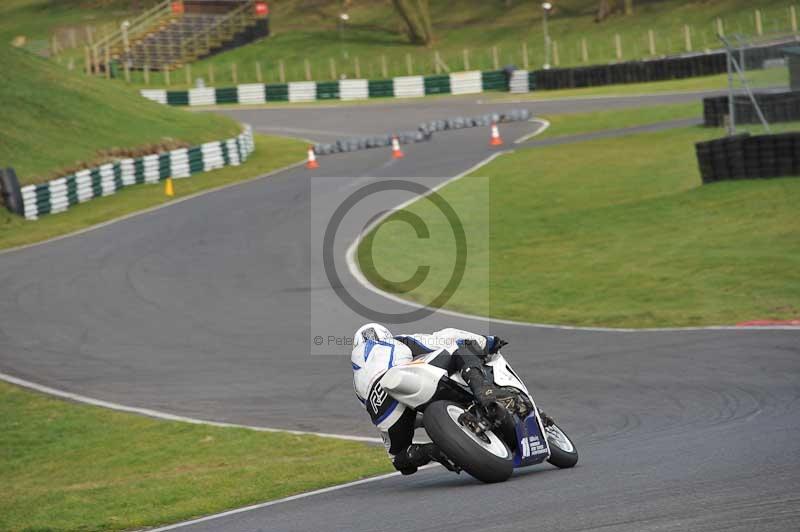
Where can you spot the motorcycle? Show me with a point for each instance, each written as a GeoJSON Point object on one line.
{"type": "Point", "coordinates": [486, 442]}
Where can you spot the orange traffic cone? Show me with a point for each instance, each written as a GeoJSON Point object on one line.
{"type": "Point", "coordinates": [397, 153]}
{"type": "Point", "coordinates": [496, 140]}
{"type": "Point", "coordinates": [312, 159]}
{"type": "Point", "coordinates": [169, 190]}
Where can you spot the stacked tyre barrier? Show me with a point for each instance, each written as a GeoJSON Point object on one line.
{"type": "Point", "coordinates": [749, 157]}
{"type": "Point", "coordinates": [10, 194]}
{"type": "Point", "coordinates": [680, 67]}
{"type": "Point", "coordinates": [519, 82]}
{"type": "Point", "coordinates": [632, 72]}
{"type": "Point", "coordinates": [776, 107]}
{"type": "Point", "coordinates": [60, 194]}
{"type": "Point", "coordinates": [408, 87]}
{"type": "Point", "coordinates": [423, 133]}
{"type": "Point", "coordinates": [466, 82]}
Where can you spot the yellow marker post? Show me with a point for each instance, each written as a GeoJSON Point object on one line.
{"type": "Point", "coordinates": [169, 190]}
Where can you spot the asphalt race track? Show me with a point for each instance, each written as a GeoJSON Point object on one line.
{"type": "Point", "coordinates": [208, 308]}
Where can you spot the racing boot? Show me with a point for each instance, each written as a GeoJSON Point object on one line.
{"type": "Point", "coordinates": [476, 380]}
{"type": "Point", "coordinates": [417, 455]}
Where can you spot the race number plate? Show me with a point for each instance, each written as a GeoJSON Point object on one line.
{"type": "Point", "coordinates": [531, 444]}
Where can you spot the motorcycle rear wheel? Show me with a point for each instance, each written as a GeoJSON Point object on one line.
{"type": "Point", "coordinates": [486, 458]}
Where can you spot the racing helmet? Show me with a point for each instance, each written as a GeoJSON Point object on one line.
{"type": "Point", "coordinates": [371, 331]}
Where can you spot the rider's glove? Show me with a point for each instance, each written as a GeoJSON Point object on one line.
{"type": "Point", "coordinates": [494, 344]}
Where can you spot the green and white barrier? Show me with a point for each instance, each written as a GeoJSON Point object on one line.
{"type": "Point", "coordinates": [354, 89]}
{"type": "Point", "coordinates": [302, 91]}
{"type": "Point", "coordinates": [409, 86]}
{"type": "Point", "coordinates": [59, 194]}
{"type": "Point", "coordinates": [519, 82]}
{"type": "Point", "coordinates": [251, 93]}
{"type": "Point", "coordinates": [472, 82]}
{"type": "Point", "coordinates": [466, 82]}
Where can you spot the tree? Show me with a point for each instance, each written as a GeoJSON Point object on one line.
{"type": "Point", "coordinates": [416, 15]}
{"type": "Point", "coordinates": [629, 7]}
{"type": "Point", "coordinates": [605, 8]}
{"type": "Point", "coordinates": [603, 11]}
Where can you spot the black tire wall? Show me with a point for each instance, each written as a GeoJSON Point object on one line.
{"type": "Point", "coordinates": [10, 192]}
{"type": "Point", "coordinates": [749, 157]}
{"type": "Point", "coordinates": [777, 107]}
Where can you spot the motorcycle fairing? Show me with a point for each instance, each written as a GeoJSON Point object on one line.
{"type": "Point", "coordinates": [504, 375]}
{"type": "Point", "coordinates": [532, 447]}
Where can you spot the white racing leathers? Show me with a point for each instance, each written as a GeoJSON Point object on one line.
{"type": "Point", "coordinates": [372, 358]}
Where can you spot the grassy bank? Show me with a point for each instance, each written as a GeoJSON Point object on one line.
{"type": "Point", "coordinates": [67, 466]}
{"type": "Point", "coordinates": [271, 153]}
{"type": "Point", "coordinates": [302, 32]}
{"type": "Point", "coordinates": [54, 119]}
{"type": "Point", "coordinates": [38, 20]}
{"type": "Point", "coordinates": [614, 232]}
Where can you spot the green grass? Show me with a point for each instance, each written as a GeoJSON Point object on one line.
{"type": "Point", "coordinates": [303, 32]}
{"type": "Point", "coordinates": [53, 119]}
{"type": "Point", "coordinates": [613, 232]}
{"type": "Point", "coordinates": [576, 123]}
{"type": "Point", "coordinates": [67, 466]}
{"type": "Point", "coordinates": [39, 19]}
{"type": "Point", "coordinates": [271, 153]}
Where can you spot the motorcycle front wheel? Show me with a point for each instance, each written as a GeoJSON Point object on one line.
{"type": "Point", "coordinates": [485, 457]}
{"type": "Point", "coordinates": [562, 451]}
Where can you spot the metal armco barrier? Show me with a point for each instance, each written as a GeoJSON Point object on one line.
{"type": "Point", "coordinates": [749, 157]}
{"type": "Point", "coordinates": [777, 107]}
{"type": "Point", "coordinates": [59, 194]}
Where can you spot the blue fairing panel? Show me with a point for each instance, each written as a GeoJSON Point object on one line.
{"type": "Point", "coordinates": [531, 444]}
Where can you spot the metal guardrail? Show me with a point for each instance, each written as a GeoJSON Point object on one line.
{"type": "Point", "coordinates": [136, 27]}
{"type": "Point", "coordinates": [225, 28]}
{"type": "Point", "coordinates": [180, 48]}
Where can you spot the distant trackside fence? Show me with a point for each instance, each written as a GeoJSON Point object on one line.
{"type": "Point", "coordinates": [472, 82]}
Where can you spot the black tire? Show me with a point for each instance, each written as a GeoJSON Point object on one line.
{"type": "Point", "coordinates": [560, 457]}
{"type": "Point", "coordinates": [462, 449]}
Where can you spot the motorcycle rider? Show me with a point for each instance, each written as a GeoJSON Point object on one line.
{"type": "Point", "coordinates": [375, 350]}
